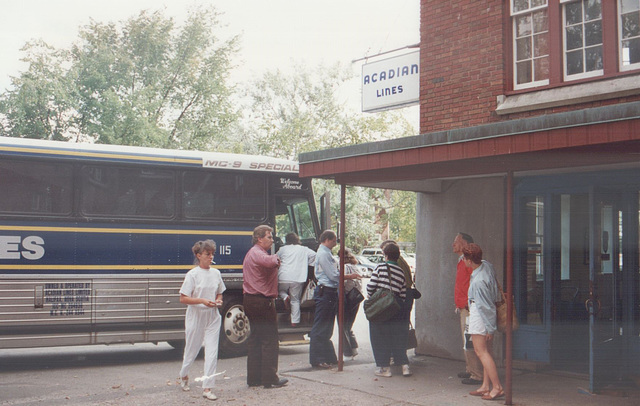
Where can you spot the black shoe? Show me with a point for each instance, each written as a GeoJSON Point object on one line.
{"type": "Point", "coordinates": [463, 375]}
{"type": "Point", "coordinates": [252, 384]}
{"type": "Point", "coordinates": [471, 381]}
{"type": "Point", "coordinates": [279, 384]}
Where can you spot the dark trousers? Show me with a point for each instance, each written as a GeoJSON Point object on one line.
{"type": "Point", "coordinates": [350, 312]}
{"type": "Point", "coordinates": [389, 339]}
{"type": "Point", "coordinates": [321, 347]}
{"type": "Point", "coordinates": [262, 345]}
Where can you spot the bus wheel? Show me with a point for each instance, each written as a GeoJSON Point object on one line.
{"type": "Point", "coordinates": [235, 329]}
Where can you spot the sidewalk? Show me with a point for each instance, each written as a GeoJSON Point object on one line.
{"type": "Point", "coordinates": [434, 382]}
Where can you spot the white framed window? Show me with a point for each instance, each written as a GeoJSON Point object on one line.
{"type": "Point", "coordinates": [582, 38]}
{"type": "Point", "coordinates": [530, 43]}
{"type": "Point", "coordinates": [629, 34]}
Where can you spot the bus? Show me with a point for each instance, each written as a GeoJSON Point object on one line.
{"type": "Point", "coordinates": [95, 240]}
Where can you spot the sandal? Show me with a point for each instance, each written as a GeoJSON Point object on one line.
{"type": "Point", "coordinates": [184, 384]}
{"type": "Point", "coordinates": [322, 365]}
{"type": "Point", "coordinates": [479, 392]}
{"type": "Point", "coordinates": [489, 397]}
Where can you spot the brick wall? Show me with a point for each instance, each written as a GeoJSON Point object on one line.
{"type": "Point", "coordinates": [462, 63]}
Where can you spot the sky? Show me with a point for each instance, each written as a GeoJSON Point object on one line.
{"type": "Point", "coordinates": [275, 34]}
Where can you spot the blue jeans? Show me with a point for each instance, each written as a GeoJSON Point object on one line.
{"type": "Point", "coordinates": [321, 347]}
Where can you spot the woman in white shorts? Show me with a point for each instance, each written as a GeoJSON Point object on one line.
{"type": "Point", "coordinates": [483, 295]}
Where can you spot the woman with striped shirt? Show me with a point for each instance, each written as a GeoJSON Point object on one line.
{"type": "Point", "coordinates": [387, 339]}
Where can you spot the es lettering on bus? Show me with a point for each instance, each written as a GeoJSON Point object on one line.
{"type": "Point", "coordinates": [16, 247]}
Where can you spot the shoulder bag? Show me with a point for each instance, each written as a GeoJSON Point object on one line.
{"type": "Point", "coordinates": [501, 313]}
{"type": "Point", "coordinates": [307, 295]}
{"type": "Point", "coordinates": [382, 305]}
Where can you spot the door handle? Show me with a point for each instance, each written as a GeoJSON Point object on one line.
{"type": "Point", "coordinates": [589, 303]}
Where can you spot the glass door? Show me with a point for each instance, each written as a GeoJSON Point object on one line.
{"type": "Point", "coordinates": [604, 302]}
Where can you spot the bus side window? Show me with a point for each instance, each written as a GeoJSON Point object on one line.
{"type": "Point", "coordinates": [35, 187]}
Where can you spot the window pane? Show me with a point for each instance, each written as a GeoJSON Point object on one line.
{"type": "Point", "coordinates": [224, 196]}
{"type": "Point", "coordinates": [523, 26]}
{"type": "Point", "coordinates": [574, 62]}
{"type": "Point", "coordinates": [538, 3]}
{"type": "Point", "coordinates": [540, 22]}
{"type": "Point", "coordinates": [592, 10]}
{"type": "Point", "coordinates": [541, 68]}
{"type": "Point", "coordinates": [533, 228]}
{"type": "Point", "coordinates": [519, 5]}
{"type": "Point", "coordinates": [540, 45]}
{"type": "Point", "coordinates": [304, 220]}
{"type": "Point", "coordinates": [629, 5]}
{"type": "Point", "coordinates": [593, 58]}
{"type": "Point", "coordinates": [523, 49]}
{"type": "Point", "coordinates": [34, 187]}
{"type": "Point", "coordinates": [573, 13]}
{"type": "Point", "coordinates": [127, 192]}
{"type": "Point", "coordinates": [593, 33]}
{"type": "Point", "coordinates": [573, 37]}
{"type": "Point", "coordinates": [523, 73]}
{"type": "Point", "coordinates": [630, 25]}
{"type": "Point", "coordinates": [631, 51]}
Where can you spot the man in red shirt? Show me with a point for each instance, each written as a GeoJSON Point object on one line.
{"type": "Point", "coordinates": [473, 373]}
{"type": "Point", "coordinates": [260, 286]}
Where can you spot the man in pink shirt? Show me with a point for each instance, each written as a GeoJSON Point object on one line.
{"type": "Point", "coordinates": [473, 373]}
{"type": "Point", "coordinates": [260, 273]}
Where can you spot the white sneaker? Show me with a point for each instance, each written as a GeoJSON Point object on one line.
{"type": "Point", "coordinates": [384, 371]}
{"type": "Point", "coordinates": [209, 395]}
{"type": "Point", "coordinates": [184, 384]}
{"type": "Point", "coordinates": [406, 371]}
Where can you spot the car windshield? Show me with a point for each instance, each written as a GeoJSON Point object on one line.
{"type": "Point", "coordinates": [365, 261]}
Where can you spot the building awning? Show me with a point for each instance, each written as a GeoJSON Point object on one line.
{"type": "Point", "coordinates": [607, 136]}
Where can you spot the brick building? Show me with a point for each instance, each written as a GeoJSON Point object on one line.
{"type": "Point", "coordinates": [530, 138]}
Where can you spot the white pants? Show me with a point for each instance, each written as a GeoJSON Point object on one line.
{"type": "Point", "coordinates": [202, 325]}
{"type": "Point", "coordinates": [294, 291]}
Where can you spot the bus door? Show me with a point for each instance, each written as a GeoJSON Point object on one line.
{"type": "Point", "coordinates": [294, 214]}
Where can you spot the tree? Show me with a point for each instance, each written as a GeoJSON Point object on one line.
{"type": "Point", "coordinates": [300, 112]}
{"type": "Point", "coordinates": [143, 82]}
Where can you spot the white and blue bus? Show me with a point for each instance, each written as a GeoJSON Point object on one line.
{"type": "Point", "coordinates": [95, 239]}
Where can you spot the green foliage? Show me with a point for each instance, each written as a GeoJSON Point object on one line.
{"type": "Point", "coordinates": [300, 112]}
{"type": "Point", "coordinates": [143, 82]}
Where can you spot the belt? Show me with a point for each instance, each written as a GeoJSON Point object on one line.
{"type": "Point", "coordinates": [259, 295]}
{"type": "Point", "coordinates": [329, 288]}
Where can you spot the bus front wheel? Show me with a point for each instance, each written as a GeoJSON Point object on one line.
{"type": "Point", "coordinates": [235, 328]}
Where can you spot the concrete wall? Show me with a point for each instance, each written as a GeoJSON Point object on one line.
{"type": "Point", "coordinates": [474, 206]}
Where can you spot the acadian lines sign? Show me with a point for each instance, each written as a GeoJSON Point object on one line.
{"type": "Point", "coordinates": [391, 83]}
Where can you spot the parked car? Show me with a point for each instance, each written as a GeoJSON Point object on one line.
{"type": "Point", "coordinates": [373, 254]}
{"type": "Point", "coordinates": [365, 266]}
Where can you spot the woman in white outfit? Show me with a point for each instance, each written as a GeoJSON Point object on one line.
{"type": "Point", "coordinates": [202, 292]}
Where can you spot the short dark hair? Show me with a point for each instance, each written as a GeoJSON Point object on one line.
{"type": "Point", "coordinates": [327, 235]}
{"type": "Point", "coordinates": [466, 237]}
{"type": "Point", "coordinates": [292, 238]}
{"type": "Point", "coordinates": [260, 232]}
{"type": "Point", "coordinates": [391, 251]}
{"type": "Point", "coordinates": [385, 242]}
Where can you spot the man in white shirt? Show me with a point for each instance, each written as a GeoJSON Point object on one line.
{"type": "Point", "coordinates": [293, 273]}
